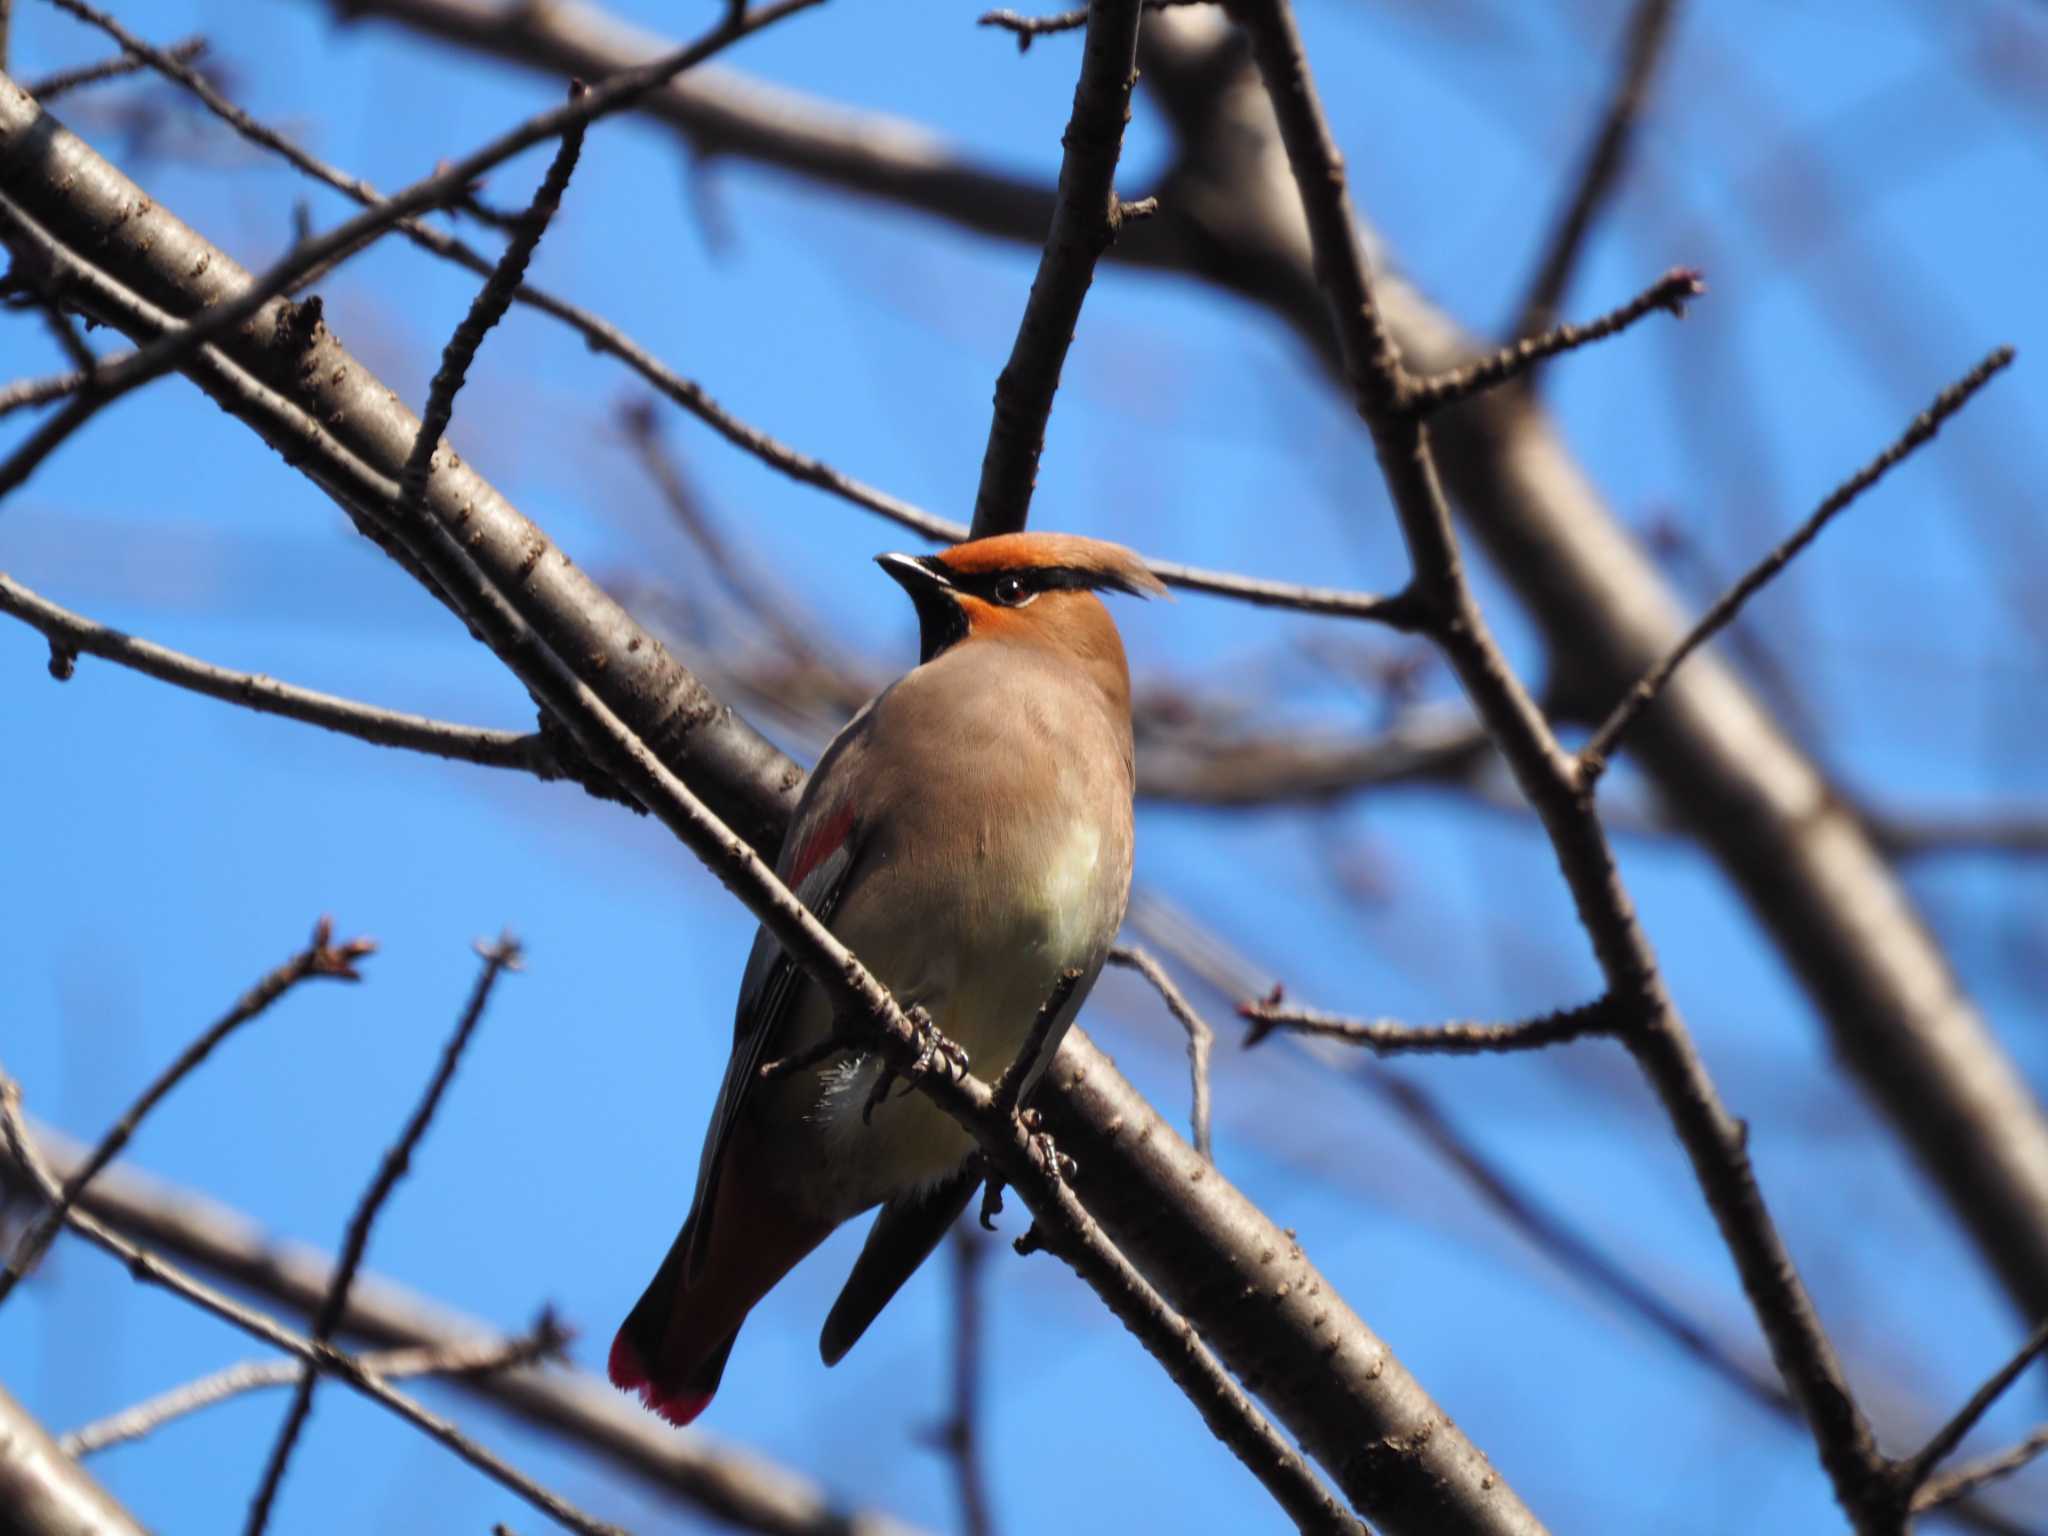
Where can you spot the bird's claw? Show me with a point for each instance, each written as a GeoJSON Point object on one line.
{"type": "Point", "coordinates": [934, 1053]}
{"type": "Point", "coordinates": [933, 1045]}
{"type": "Point", "coordinates": [1057, 1165]}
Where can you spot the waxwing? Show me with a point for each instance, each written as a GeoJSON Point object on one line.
{"type": "Point", "coordinates": [968, 836]}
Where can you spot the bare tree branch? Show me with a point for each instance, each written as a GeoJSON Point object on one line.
{"type": "Point", "coordinates": [71, 635]}
{"type": "Point", "coordinates": [321, 957]}
{"type": "Point", "coordinates": [723, 1482]}
{"type": "Point", "coordinates": [43, 1492]}
{"type": "Point", "coordinates": [1942, 1492]}
{"type": "Point", "coordinates": [28, 392]}
{"type": "Point", "coordinates": [1386, 1037]}
{"type": "Point", "coordinates": [466, 1358]}
{"type": "Point", "coordinates": [1915, 1470]}
{"type": "Point", "coordinates": [50, 87]}
{"type": "Point", "coordinates": [1669, 293]}
{"type": "Point", "coordinates": [1649, 30]}
{"type": "Point", "coordinates": [1594, 756]}
{"type": "Point", "coordinates": [1084, 225]}
{"type": "Point", "coordinates": [1201, 1038]}
{"type": "Point", "coordinates": [498, 958]}
{"type": "Point", "coordinates": [1027, 29]}
{"type": "Point", "coordinates": [484, 313]}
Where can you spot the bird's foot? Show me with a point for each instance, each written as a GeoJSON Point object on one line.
{"type": "Point", "coordinates": [935, 1053]}
{"type": "Point", "coordinates": [1057, 1164]}
{"type": "Point", "coordinates": [932, 1045]}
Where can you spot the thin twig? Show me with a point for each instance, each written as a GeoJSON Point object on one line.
{"type": "Point", "coordinates": [1960, 1482]}
{"type": "Point", "coordinates": [1669, 293]}
{"type": "Point", "coordinates": [478, 1357]}
{"type": "Point", "coordinates": [1387, 1037]}
{"type": "Point", "coordinates": [1599, 751]}
{"type": "Point", "coordinates": [1648, 29]}
{"type": "Point", "coordinates": [498, 958]}
{"type": "Point", "coordinates": [167, 351]}
{"type": "Point", "coordinates": [1085, 222]}
{"type": "Point", "coordinates": [959, 1436]}
{"type": "Point", "coordinates": [1027, 29]}
{"type": "Point", "coordinates": [72, 634]}
{"type": "Point", "coordinates": [149, 1269]}
{"type": "Point", "coordinates": [321, 957]}
{"type": "Point", "coordinates": [485, 312]}
{"type": "Point", "coordinates": [50, 87]}
{"type": "Point", "coordinates": [1201, 1038]}
{"type": "Point", "coordinates": [1917, 1469]}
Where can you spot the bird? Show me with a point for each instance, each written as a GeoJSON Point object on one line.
{"type": "Point", "coordinates": [968, 835]}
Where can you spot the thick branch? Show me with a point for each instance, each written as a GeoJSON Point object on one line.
{"type": "Point", "coordinates": [43, 1492]}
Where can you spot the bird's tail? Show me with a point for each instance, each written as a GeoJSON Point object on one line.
{"type": "Point", "coordinates": [673, 1345]}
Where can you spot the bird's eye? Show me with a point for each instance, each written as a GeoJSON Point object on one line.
{"type": "Point", "coordinates": [1011, 591]}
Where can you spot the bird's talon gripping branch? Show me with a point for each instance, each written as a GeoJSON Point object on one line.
{"type": "Point", "coordinates": [1057, 1164]}
{"type": "Point", "coordinates": [934, 1045]}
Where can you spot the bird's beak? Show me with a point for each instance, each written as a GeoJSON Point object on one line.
{"type": "Point", "coordinates": [920, 578]}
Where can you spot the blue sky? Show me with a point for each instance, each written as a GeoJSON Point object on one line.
{"type": "Point", "coordinates": [1863, 185]}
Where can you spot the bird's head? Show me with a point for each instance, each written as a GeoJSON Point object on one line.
{"type": "Point", "coordinates": [1024, 588]}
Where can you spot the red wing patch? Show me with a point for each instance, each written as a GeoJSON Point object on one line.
{"type": "Point", "coordinates": [821, 844]}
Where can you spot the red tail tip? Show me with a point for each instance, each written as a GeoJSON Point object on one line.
{"type": "Point", "coordinates": [628, 1371]}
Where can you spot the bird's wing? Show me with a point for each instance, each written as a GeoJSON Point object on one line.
{"type": "Point", "coordinates": [817, 864]}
